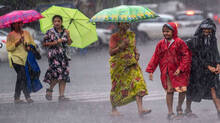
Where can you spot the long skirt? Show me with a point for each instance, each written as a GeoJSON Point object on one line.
{"type": "Point", "coordinates": [126, 84]}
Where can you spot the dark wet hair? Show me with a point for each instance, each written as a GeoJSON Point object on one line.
{"type": "Point", "coordinates": [118, 24]}
{"type": "Point", "coordinates": [12, 27]}
{"type": "Point", "coordinates": [57, 16]}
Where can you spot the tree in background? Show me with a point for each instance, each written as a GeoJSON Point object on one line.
{"type": "Point", "coordinates": [19, 4]}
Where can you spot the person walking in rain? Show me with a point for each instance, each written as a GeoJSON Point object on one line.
{"type": "Point", "coordinates": [173, 57]}
{"type": "Point", "coordinates": [205, 69]}
{"type": "Point", "coordinates": [128, 83]}
{"type": "Point", "coordinates": [58, 71]}
{"type": "Point", "coordinates": [17, 40]}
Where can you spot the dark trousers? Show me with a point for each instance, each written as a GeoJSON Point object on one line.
{"type": "Point", "coordinates": [21, 84]}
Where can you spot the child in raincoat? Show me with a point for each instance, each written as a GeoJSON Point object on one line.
{"type": "Point", "coordinates": [173, 57]}
{"type": "Point", "coordinates": [205, 68]}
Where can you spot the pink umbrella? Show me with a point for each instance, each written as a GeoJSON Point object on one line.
{"type": "Point", "coordinates": [25, 16]}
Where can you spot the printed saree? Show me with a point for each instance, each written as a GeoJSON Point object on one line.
{"type": "Point", "coordinates": [126, 75]}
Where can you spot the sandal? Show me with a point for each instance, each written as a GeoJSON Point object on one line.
{"type": "Point", "coordinates": [29, 100]}
{"type": "Point", "coordinates": [171, 116]}
{"type": "Point", "coordinates": [18, 101]}
{"type": "Point", "coordinates": [218, 114]}
{"type": "Point", "coordinates": [180, 114]}
{"type": "Point", "coordinates": [144, 112]}
{"type": "Point", "coordinates": [189, 114]}
{"type": "Point", "coordinates": [48, 95]}
{"type": "Point", "coordinates": [63, 99]}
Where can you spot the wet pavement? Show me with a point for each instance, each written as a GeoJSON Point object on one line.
{"type": "Point", "coordinates": [96, 112]}
{"type": "Point", "coordinates": [89, 93]}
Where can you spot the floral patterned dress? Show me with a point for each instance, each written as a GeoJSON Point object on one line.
{"type": "Point", "coordinates": [58, 62]}
{"type": "Point", "coordinates": [126, 75]}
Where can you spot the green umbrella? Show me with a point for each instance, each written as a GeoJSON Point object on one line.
{"type": "Point", "coordinates": [124, 13]}
{"type": "Point", "coordinates": [82, 32]}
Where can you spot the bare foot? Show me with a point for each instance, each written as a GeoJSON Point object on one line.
{"type": "Point", "coordinates": [116, 113]}
{"type": "Point", "coordinates": [63, 99]}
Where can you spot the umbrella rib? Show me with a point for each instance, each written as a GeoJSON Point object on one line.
{"type": "Point", "coordinates": [130, 13]}
{"type": "Point", "coordinates": [82, 19]}
{"type": "Point", "coordinates": [75, 14]}
{"type": "Point", "coordinates": [81, 25]}
{"type": "Point", "coordinates": [66, 13]}
{"type": "Point", "coordinates": [70, 17]}
{"type": "Point", "coordinates": [77, 29]}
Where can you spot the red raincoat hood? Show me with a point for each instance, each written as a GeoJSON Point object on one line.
{"type": "Point", "coordinates": [174, 27]}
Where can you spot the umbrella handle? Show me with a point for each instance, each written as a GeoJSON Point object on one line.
{"type": "Point", "coordinates": [70, 23]}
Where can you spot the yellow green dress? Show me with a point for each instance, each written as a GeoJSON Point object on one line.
{"type": "Point", "coordinates": [126, 75]}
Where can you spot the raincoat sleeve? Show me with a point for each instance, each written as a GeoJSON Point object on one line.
{"type": "Point", "coordinates": [10, 44]}
{"type": "Point", "coordinates": [185, 62]}
{"type": "Point", "coordinates": [189, 43]}
{"type": "Point", "coordinates": [152, 65]}
{"type": "Point", "coordinates": [217, 57]}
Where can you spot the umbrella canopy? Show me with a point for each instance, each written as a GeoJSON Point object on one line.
{"type": "Point", "coordinates": [124, 13]}
{"type": "Point", "coordinates": [25, 16]}
{"type": "Point", "coordinates": [82, 32]}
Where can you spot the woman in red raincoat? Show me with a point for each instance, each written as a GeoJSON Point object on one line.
{"type": "Point", "coordinates": [174, 59]}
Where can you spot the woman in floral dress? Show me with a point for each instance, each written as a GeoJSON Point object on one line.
{"type": "Point", "coordinates": [127, 79]}
{"type": "Point", "coordinates": [58, 71]}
